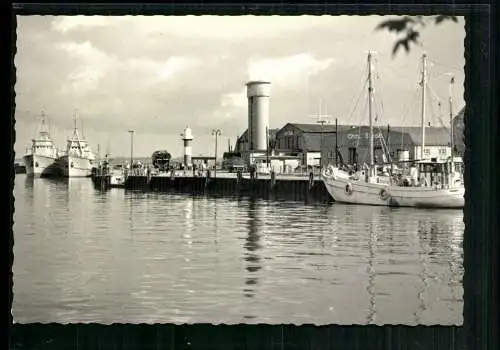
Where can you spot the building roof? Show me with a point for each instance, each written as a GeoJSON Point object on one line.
{"type": "Point", "coordinates": [244, 136]}
{"type": "Point", "coordinates": [434, 136]}
{"type": "Point", "coordinates": [401, 135]}
{"type": "Point", "coordinates": [317, 128]}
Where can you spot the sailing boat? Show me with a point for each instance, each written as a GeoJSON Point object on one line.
{"type": "Point", "coordinates": [78, 159]}
{"type": "Point", "coordinates": [41, 157]}
{"type": "Point", "coordinates": [368, 187]}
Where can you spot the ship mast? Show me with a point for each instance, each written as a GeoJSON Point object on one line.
{"type": "Point", "coordinates": [370, 100]}
{"type": "Point", "coordinates": [75, 133]}
{"type": "Point", "coordinates": [43, 125]}
{"type": "Point", "coordinates": [423, 84]}
{"type": "Point", "coordinates": [452, 81]}
{"type": "Point", "coordinates": [43, 120]}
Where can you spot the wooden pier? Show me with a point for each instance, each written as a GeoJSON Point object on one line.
{"type": "Point", "coordinates": [291, 187]}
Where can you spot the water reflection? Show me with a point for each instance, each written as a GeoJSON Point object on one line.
{"type": "Point", "coordinates": [28, 181]}
{"type": "Point", "coordinates": [252, 245]}
{"type": "Point", "coordinates": [216, 232]}
{"type": "Point", "coordinates": [423, 277]}
{"type": "Point", "coordinates": [199, 259]}
{"type": "Point", "coordinates": [370, 288]}
{"type": "Point", "coordinates": [130, 204]}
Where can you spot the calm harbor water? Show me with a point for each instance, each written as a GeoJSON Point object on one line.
{"type": "Point", "coordinates": [81, 255]}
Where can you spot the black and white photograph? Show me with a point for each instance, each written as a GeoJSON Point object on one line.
{"type": "Point", "coordinates": [239, 169]}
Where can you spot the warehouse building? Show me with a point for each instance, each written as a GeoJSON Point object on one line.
{"type": "Point", "coordinates": [315, 144]}
{"type": "Point", "coordinates": [306, 141]}
{"type": "Point", "coordinates": [402, 143]}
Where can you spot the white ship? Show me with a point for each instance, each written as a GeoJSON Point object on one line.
{"type": "Point", "coordinates": [429, 183]}
{"type": "Point", "coordinates": [78, 159]}
{"type": "Point", "coordinates": [40, 159]}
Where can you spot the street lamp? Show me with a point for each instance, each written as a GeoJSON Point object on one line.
{"type": "Point", "coordinates": [131, 149]}
{"type": "Point", "coordinates": [216, 133]}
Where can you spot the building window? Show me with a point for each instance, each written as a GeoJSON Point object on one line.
{"type": "Point", "coordinates": [427, 152]}
{"type": "Point", "coordinates": [442, 151]}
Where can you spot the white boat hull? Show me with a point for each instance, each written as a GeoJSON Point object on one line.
{"type": "Point", "coordinates": [117, 180]}
{"type": "Point", "coordinates": [40, 166]}
{"type": "Point", "coordinates": [72, 166]}
{"type": "Point", "coordinates": [345, 190]}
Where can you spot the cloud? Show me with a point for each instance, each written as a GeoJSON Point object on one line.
{"type": "Point", "coordinates": [176, 65]}
{"type": "Point", "coordinates": [294, 69]}
{"type": "Point", "coordinates": [155, 74]}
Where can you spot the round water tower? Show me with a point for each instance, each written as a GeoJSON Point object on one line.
{"type": "Point", "coordinates": [258, 94]}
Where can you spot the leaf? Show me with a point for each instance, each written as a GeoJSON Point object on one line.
{"type": "Point", "coordinates": [441, 18]}
{"type": "Point", "coordinates": [396, 25]}
{"type": "Point", "coordinates": [413, 36]}
{"type": "Point", "coordinates": [420, 21]}
{"type": "Point", "coordinates": [405, 42]}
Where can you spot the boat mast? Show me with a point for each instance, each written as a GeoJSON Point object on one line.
{"type": "Point", "coordinates": [370, 98]}
{"type": "Point", "coordinates": [43, 125]}
{"type": "Point", "coordinates": [452, 81]}
{"type": "Point", "coordinates": [423, 84]}
{"type": "Point", "coordinates": [75, 134]}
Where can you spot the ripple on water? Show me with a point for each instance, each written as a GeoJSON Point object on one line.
{"type": "Point", "coordinates": [87, 256]}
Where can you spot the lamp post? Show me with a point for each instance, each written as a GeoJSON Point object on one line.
{"type": "Point", "coordinates": [131, 149]}
{"type": "Point", "coordinates": [216, 133]}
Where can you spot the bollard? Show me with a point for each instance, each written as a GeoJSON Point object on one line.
{"type": "Point", "coordinates": [273, 179]}
{"type": "Point", "coordinates": [207, 178]}
{"type": "Point", "coordinates": [311, 180]}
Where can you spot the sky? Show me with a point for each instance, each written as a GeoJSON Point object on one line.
{"type": "Point", "coordinates": [158, 74]}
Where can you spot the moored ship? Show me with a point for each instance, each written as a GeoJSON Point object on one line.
{"type": "Point", "coordinates": [78, 159]}
{"type": "Point", "coordinates": [40, 159]}
{"type": "Point", "coordinates": [430, 184]}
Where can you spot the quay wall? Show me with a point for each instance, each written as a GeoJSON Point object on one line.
{"type": "Point", "coordinates": [298, 189]}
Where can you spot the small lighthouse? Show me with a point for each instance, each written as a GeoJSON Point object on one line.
{"type": "Point", "coordinates": [187, 137]}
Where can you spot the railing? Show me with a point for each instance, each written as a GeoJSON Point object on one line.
{"type": "Point", "coordinates": [148, 170]}
{"type": "Point", "coordinates": [297, 175]}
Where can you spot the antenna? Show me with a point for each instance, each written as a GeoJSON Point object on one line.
{"type": "Point", "coordinates": [321, 118]}
{"type": "Point", "coordinates": [74, 118]}
{"type": "Point", "coordinates": [452, 136]}
{"type": "Point", "coordinates": [42, 122]}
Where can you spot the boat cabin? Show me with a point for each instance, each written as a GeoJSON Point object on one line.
{"type": "Point", "coordinates": [434, 172]}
